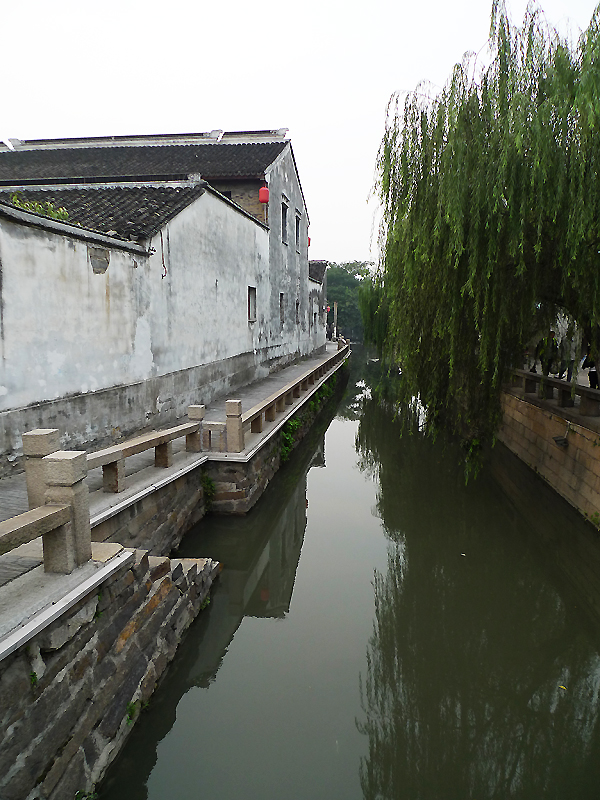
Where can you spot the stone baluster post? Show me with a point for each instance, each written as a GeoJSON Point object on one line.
{"type": "Point", "coordinates": [235, 430]}
{"type": "Point", "coordinates": [37, 444]}
{"type": "Point", "coordinates": [65, 473]}
{"type": "Point", "coordinates": [193, 442]}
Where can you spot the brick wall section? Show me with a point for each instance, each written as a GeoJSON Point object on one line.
{"type": "Point", "coordinates": [94, 669]}
{"type": "Point", "coordinates": [574, 471]}
{"type": "Point", "coordinates": [245, 194]}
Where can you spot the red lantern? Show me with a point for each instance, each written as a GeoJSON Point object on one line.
{"type": "Point", "coordinates": [263, 194]}
{"type": "Point", "coordinates": [328, 309]}
{"type": "Point", "coordinates": [309, 241]}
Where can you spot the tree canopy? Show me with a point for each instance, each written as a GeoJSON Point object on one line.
{"type": "Point", "coordinates": [343, 283]}
{"type": "Point", "coordinates": [491, 217]}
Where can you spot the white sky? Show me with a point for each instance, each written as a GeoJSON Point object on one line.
{"type": "Point", "coordinates": [323, 68]}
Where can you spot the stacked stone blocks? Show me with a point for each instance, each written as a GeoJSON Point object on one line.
{"type": "Point", "coordinates": [573, 471]}
{"type": "Point", "coordinates": [69, 698]}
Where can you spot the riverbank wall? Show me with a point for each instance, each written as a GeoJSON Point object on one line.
{"type": "Point", "coordinates": [69, 697]}
{"type": "Point", "coordinates": [156, 516]}
{"type": "Point", "coordinates": [570, 553]}
{"type": "Point", "coordinates": [238, 486]}
{"type": "Point", "coordinates": [555, 444]}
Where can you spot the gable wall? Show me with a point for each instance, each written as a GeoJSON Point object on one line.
{"type": "Point", "coordinates": [289, 261]}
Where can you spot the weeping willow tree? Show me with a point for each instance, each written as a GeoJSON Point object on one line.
{"type": "Point", "coordinates": [491, 217]}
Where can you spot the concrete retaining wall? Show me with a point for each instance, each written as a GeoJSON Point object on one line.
{"type": "Point", "coordinates": [574, 471]}
{"type": "Point", "coordinates": [70, 697]}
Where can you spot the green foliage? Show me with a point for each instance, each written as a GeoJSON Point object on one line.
{"type": "Point", "coordinates": [81, 795]}
{"type": "Point", "coordinates": [595, 520]}
{"type": "Point", "coordinates": [343, 284]}
{"type": "Point", "coordinates": [33, 679]}
{"type": "Point", "coordinates": [287, 437]}
{"type": "Point", "coordinates": [491, 217]}
{"type": "Point", "coordinates": [309, 411]}
{"type": "Point", "coordinates": [132, 708]}
{"type": "Point", "coordinates": [374, 308]}
{"type": "Point", "coordinates": [208, 488]}
{"type": "Point", "coordinates": [47, 209]}
{"type": "Point", "coordinates": [205, 602]}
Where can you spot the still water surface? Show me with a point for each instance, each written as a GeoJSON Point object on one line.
{"type": "Point", "coordinates": [382, 631]}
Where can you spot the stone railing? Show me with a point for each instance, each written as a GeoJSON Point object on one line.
{"type": "Point", "coordinates": [543, 386]}
{"type": "Point", "coordinates": [238, 423]}
{"type": "Point", "coordinates": [200, 435]}
{"type": "Point", "coordinates": [112, 459]}
{"type": "Point", "coordinates": [62, 518]}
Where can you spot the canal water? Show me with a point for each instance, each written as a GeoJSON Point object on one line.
{"type": "Point", "coordinates": [381, 630]}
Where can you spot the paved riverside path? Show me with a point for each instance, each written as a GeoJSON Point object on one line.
{"type": "Point", "coordinates": [140, 470]}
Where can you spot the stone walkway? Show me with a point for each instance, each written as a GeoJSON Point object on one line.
{"type": "Point", "coordinates": [140, 470]}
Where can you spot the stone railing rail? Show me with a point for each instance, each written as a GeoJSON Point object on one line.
{"type": "Point", "coordinates": [63, 518]}
{"type": "Point", "coordinates": [544, 386]}
{"type": "Point", "coordinates": [200, 434]}
{"type": "Point", "coordinates": [26, 527]}
{"type": "Point", "coordinates": [112, 459]}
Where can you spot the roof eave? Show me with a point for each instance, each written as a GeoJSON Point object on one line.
{"type": "Point", "coordinates": [64, 228]}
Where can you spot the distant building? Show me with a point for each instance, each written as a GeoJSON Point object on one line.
{"type": "Point", "coordinates": [169, 283]}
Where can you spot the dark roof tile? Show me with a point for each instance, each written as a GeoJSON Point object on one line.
{"type": "Point", "coordinates": [81, 164]}
{"type": "Point", "coordinates": [133, 212]}
{"type": "Point", "coordinates": [317, 269]}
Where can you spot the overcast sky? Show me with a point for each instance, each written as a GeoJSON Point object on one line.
{"type": "Point", "coordinates": [325, 69]}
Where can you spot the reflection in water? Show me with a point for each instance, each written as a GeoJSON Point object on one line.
{"type": "Point", "coordinates": [471, 643]}
{"type": "Point", "coordinates": [486, 605]}
{"type": "Point", "coordinates": [260, 552]}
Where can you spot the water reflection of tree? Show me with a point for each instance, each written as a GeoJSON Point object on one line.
{"type": "Point", "coordinates": [462, 695]}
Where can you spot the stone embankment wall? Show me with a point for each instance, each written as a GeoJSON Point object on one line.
{"type": "Point", "coordinates": [239, 485]}
{"type": "Point", "coordinates": [69, 698]}
{"type": "Point", "coordinates": [158, 521]}
{"type": "Point", "coordinates": [573, 471]}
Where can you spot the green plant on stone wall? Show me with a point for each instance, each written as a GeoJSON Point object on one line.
{"type": "Point", "coordinates": [208, 488]}
{"type": "Point", "coordinates": [33, 679]}
{"type": "Point", "coordinates": [287, 437]}
{"type": "Point", "coordinates": [132, 708]}
{"type": "Point", "coordinates": [81, 795]}
{"type": "Point", "coordinates": [205, 602]}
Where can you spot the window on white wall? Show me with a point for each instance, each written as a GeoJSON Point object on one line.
{"type": "Point", "coordinates": [284, 212]}
{"type": "Point", "coordinates": [281, 308]}
{"type": "Point", "coordinates": [297, 231]}
{"type": "Point", "coordinates": [252, 304]}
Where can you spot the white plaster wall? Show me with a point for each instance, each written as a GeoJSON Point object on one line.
{"type": "Point", "coordinates": [66, 330]}
{"type": "Point", "coordinates": [289, 262]}
{"type": "Point", "coordinates": [212, 253]}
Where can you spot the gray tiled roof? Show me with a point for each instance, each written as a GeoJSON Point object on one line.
{"type": "Point", "coordinates": [132, 212]}
{"type": "Point", "coordinates": [317, 269]}
{"type": "Point", "coordinates": [172, 161]}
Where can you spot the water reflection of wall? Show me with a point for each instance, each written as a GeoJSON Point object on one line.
{"type": "Point", "coordinates": [462, 696]}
